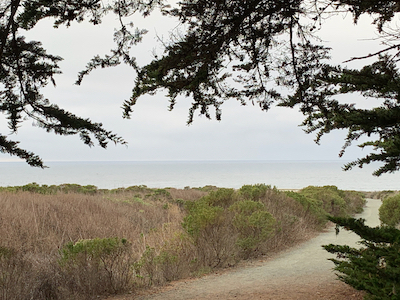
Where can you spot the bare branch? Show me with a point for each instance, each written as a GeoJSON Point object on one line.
{"type": "Point", "coordinates": [374, 54]}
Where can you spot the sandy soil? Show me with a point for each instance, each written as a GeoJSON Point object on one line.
{"type": "Point", "coordinates": [303, 272]}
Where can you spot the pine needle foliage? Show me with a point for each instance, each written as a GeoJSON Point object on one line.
{"type": "Point", "coordinates": [375, 266]}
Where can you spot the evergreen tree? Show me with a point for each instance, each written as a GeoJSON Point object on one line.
{"type": "Point", "coordinates": [375, 267]}
{"type": "Point", "coordinates": [254, 51]}
{"type": "Point", "coordinates": [26, 67]}
{"type": "Point", "coordinates": [267, 52]}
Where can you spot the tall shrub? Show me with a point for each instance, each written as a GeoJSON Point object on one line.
{"type": "Point", "coordinates": [98, 266]}
{"type": "Point", "coordinates": [253, 223]}
{"type": "Point", "coordinates": [389, 212]}
{"type": "Point", "coordinates": [210, 228]}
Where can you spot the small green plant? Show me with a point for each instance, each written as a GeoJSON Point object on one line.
{"type": "Point", "coordinates": [146, 267]}
{"type": "Point", "coordinates": [389, 212]}
{"type": "Point", "coordinates": [162, 192]}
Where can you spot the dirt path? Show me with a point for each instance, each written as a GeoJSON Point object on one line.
{"type": "Point", "coordinates": [303, 272]}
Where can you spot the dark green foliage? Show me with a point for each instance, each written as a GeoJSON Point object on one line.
{"type": "Point", "coordinates": [312, 205]}
{"type": "Point", "coordinates": [266, 46]}
{"type": "Point", "coordinates": [93, 249]}
{"type": "Point", "coordinates": [202, 216]}
{"type": "Point", "coordinates": [389, 212]}
{"type": "Point", "coordinates": [269, 49]}
{"type": "Point", "coordinates": [222, 197]}
{"type": "Point", "coordinates": [375, 267]}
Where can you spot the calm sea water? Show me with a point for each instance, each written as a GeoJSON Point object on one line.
{"type": "Point", "coordinates": [233, 174]}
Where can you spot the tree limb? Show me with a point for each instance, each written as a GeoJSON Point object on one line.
{"type": "Point", "coordinates": [373, 54]}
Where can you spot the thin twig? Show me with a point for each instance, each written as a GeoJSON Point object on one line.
{"type": "Point", "coordinates": [373, 54]}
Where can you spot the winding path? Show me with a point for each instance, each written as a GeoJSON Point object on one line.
{"type": "Point", "coordinates": [303, 272]}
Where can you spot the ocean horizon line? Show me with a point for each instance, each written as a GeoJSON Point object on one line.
{"type": "Point", "coordinates": [186, 160]}
{"type": "Point", "coordinates": [283, 174]}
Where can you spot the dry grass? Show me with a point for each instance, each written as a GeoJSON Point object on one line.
{"type": "Point", "coordinates": [187, 194]}
{"type": "Point", "coordinates": [37, 226]}
{"type": "Point", "coordinates": [44, 223]}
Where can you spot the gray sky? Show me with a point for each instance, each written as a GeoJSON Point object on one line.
{"type": "Point", "coordinates": [153, 132]}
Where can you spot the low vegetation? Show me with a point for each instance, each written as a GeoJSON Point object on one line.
{"type": "Point", "coordinates": [80, 242]}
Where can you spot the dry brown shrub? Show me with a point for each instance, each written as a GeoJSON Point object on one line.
{"type": "Point", "coordinates": [294, 224]}
{"type": "Point", "coordinates": [187, 194]}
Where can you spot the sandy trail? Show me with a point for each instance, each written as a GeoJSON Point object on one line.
{"type": "Point", "coordinates": [303, 272]}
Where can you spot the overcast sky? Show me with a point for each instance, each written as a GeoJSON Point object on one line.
{"type": "Point", "coordinates": [153, 132]}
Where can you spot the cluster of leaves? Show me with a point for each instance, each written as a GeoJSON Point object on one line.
{"type": "Point", "coordinates": [98, 266]}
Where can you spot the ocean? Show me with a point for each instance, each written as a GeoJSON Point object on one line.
{"type": "Point", "coordinates": [180, 174]}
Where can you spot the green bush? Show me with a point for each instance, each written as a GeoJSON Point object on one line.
{"type": "Point", "coordinates": [330, 199]}
{"type": "Point", "coordinates": [172, 262]}
{"type": "Point", "coordinates": [222, 197]}
{"type": "Point", "coordinates": [76, 188]}
{"type": "Point", "coordinates": [313, 205]}
{"type": "Point", "coordinates": [254, 192]}
{"type": "Point", "coordinates": [146, 268]}
{"type": "Point", "coordinates": [98, 266]}
{"type": "Point", "coordinates": [253, 223]}
{"type": "Point", "coordinates": [389, 212]}
{"type": "Point", "coordinates": [210, 228]}
{"type": "Point", "coordinates": [201, 215]}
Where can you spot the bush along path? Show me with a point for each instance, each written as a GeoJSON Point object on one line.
{"type": "Point", "coordinates": [303, 272]}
